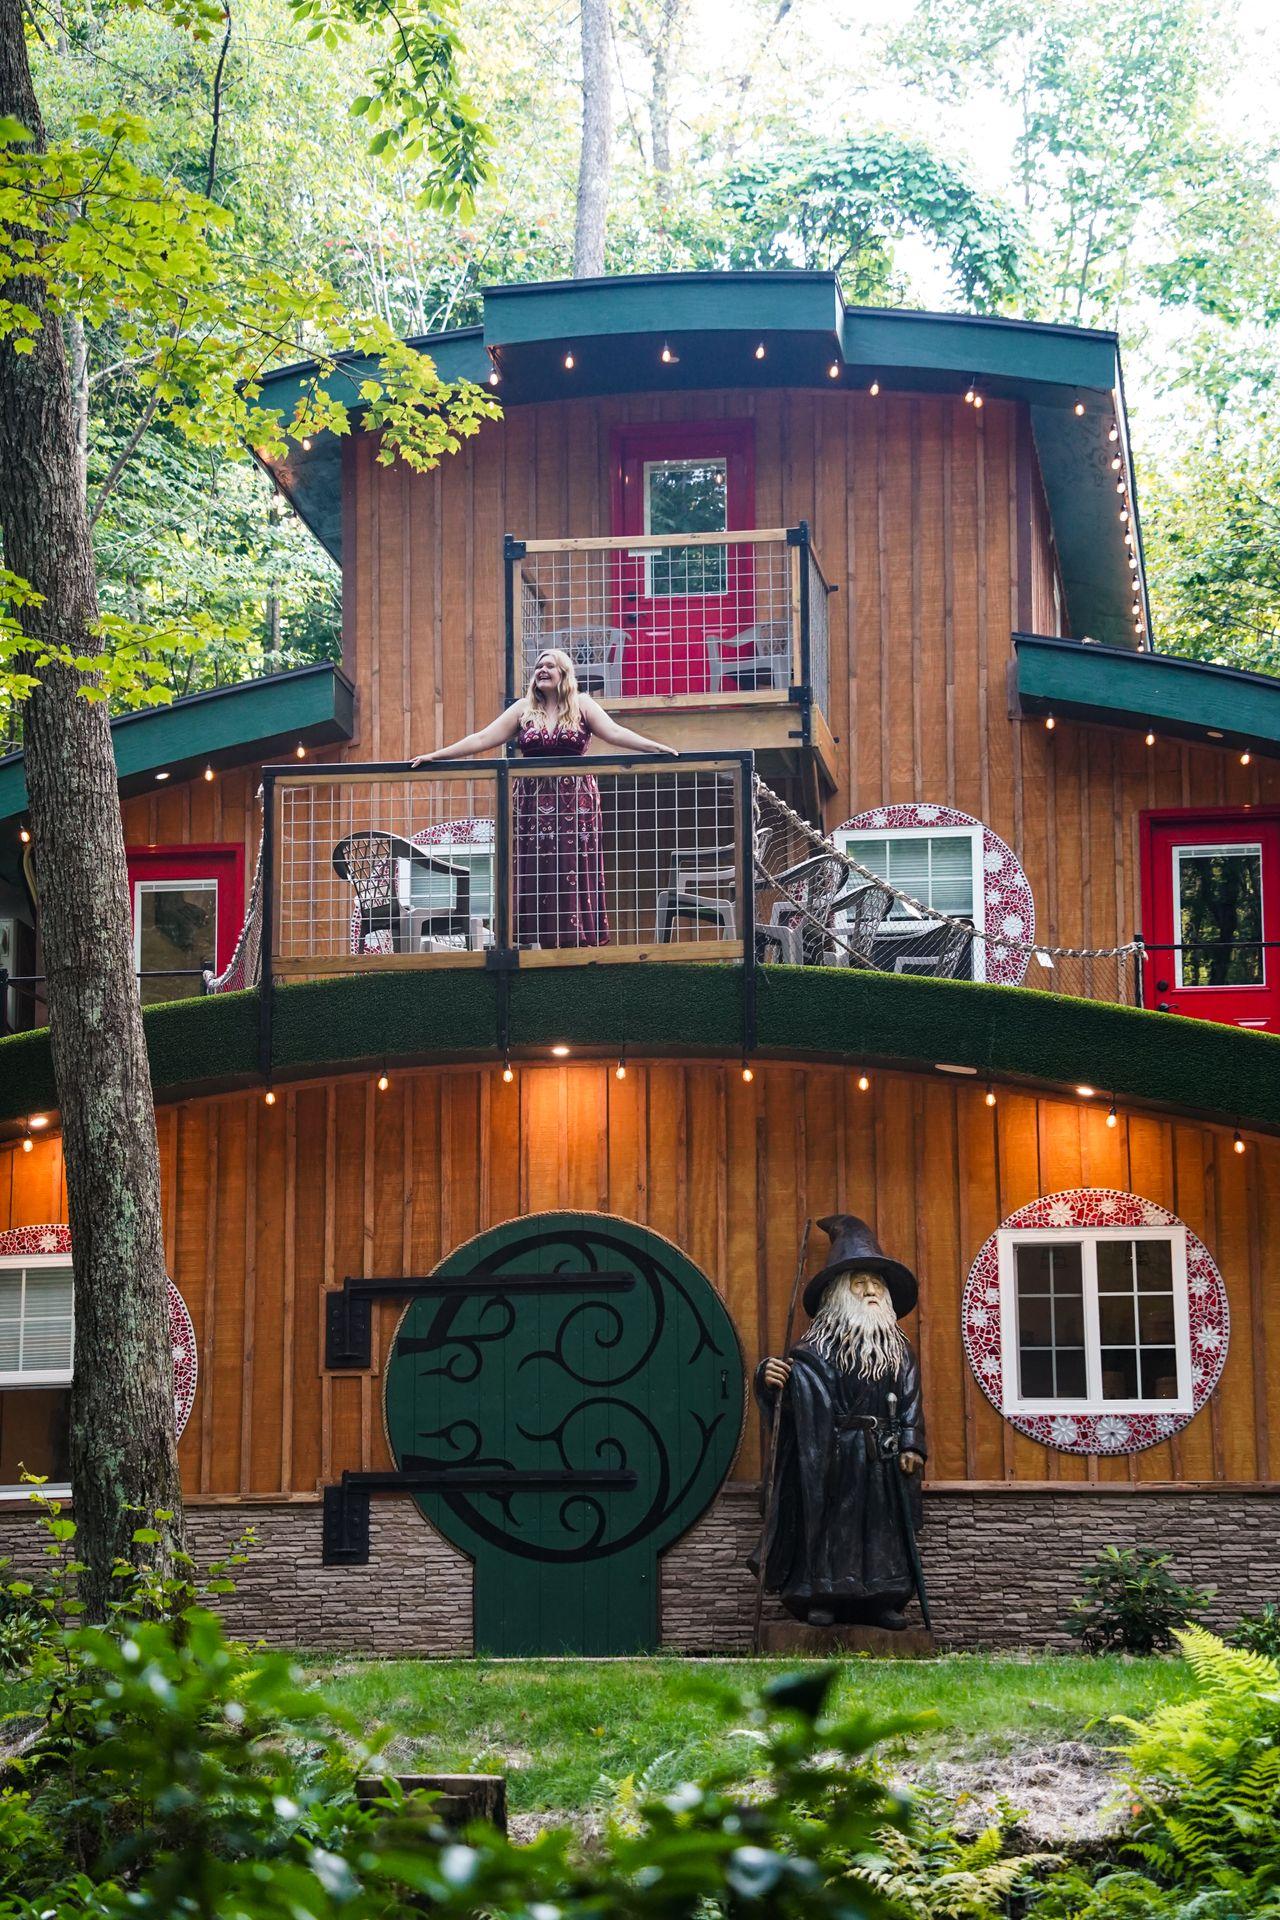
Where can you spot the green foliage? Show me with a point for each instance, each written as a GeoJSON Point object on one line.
{"type": "Point", "coordinates": [935, 1873]}
{"type": "Point", "coordinates": [840, 206]}
{"type": "Point", "coordinates": [1259, 1632]}
{"type": "Point", "coordinates": [1132, 1603]}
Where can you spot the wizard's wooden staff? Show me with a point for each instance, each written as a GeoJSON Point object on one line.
{"type": "Point", "coordinates": [772, 1461]}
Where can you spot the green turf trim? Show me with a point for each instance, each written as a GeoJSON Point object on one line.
{"type": "Point", "coordinates": [695, 1010]}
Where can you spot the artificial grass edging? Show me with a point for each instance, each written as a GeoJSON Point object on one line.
{"type": "Point", "coordinates": [696, 1009]}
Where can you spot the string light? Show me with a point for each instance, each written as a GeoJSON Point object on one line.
{"type": "Point", "coordinates": [1049, 723]}
{"type": "Point", "coordinates": [1245, 758]}
{"type": "Point", "coordinates": [620, 1071]}
{"type": "Point", "coordinates": [747, 1075]}
{"type": "Point", "coordinates": [306, 444]}
{"type": "Point", "coordinates": [269, 1097]}
{"type": "Point", "coordinates": [1079, 409]}
{"type": "Point", "coordinates": [27, 1142]}
{"type": "Point", "coordinates": [208, 773]}
{"type": "Point", "coordinates": [569, 363]}
{"type": "Point", "coordinates": [383, 1081]}
{"type": "Point", "coordinates": [1151, 739]}
{"type": "Point", "coordinates": [874, 388]}
{"type": "Point", "coordinates": [969, 396]}
{"type": "Point", "coordinates": [299, 752]}
{"type": "Point", "coordinates": [760, 351]}
{"type": "Point", "coordinates": [833, 371]}
{"type": "Point", "coordinates": [1119, 486]}
{"type": "Point", "coordinates": [1237, 1142]}
{"type": "Point", "coordinates": [494, 376]}
{"type": "Point", "coordinates": [24, 834]}
{"type": "Point", "coordinates": [1113, 1118]}
{"type": "Point", "coordinates": [667, 356]}
{"type": "Point", "coordinates": [864, 1083]}
{"type": "Point", "coordinates": [1113, 432]}
{"type": "Point", "coordinates": [508, 1071]}
{"type": "Point", "coordinates": [1115, 463]}
{"type": "Point", "coordinates": [989, 1097]}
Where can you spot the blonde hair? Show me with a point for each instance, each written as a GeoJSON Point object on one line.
{"type": "Point", "coordinates": [569, 709]}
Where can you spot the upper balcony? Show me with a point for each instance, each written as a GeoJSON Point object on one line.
{"type": "Point", "coordinates": [712, 641]}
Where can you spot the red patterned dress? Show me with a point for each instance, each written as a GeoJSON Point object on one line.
{"type": "Point", "coordinates": [559, 861]}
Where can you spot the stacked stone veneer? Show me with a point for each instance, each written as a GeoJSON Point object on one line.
{"type": "Point", "coordinates": [1002, 1567]}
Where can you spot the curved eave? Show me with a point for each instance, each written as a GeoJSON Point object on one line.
{"type": "Point", "coordinates": [200, 1047]}
{"type": "Point", "coordinates": [713, 323]}
{"type": "Point", "coordinates": [1193, 699]}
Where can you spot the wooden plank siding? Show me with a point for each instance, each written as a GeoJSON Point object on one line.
{"type": "Point", "coordinates": [926, 514]}
{"type": "Point", "coordinates": [268, 1207]}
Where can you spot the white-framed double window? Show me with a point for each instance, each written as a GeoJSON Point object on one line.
{"type": "Point", "coordinates": [1094, 1319]}
{"type": "Point", "coordinates": [37, 1337]}
{"type": "Point", "coordinates": [941, 867]}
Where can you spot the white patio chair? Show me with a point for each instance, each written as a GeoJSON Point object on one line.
{"type": "Point", "coordinates": [759, 656]}
{"type": "Point", "coordinates": [596, 653]}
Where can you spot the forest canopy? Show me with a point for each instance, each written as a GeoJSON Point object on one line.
{"type": "Point", "coordinates": [1060, 159]}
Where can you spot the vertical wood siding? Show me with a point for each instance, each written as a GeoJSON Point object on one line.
{"type": "Point", "coordinates": [266, 1208]}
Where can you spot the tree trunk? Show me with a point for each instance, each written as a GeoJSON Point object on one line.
{"type": "Point", "coordinates": [597, 136]}
{"type": "Point", "coordinates": [123, 1449]}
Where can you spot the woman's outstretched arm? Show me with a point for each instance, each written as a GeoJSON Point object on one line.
{"type": "Point", "coordinates": [607, 729]}
{"type": "Point", "coordinates": [494, 735]}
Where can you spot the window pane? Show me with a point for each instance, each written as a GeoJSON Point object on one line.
{"type": "Point", "coordinates": [1159, 1373]}
{"type": "Point", "coordinates": [437, 892]}
{"type": "Point", "coordinates": [909, 864]}
{"type": "Point", "coordinates": [1035, 1374]}
{"type": "Point", "coordinates": [1153, 1262]}
{"type": "Point", "coordinates": [1071, 1374]}
{"type": "Point", "coordinates": [1050, 1320]}
{"type": "Point", "coordinates": [951, 889]}
{"type": "Point", "coordinates": [1155, 1319]}
{"type": "Point", "coordinates": [177, 928]}
{"type": "Point", "coordinates": [36, 1319]}
{"type": "Point", "coordinates": [1120, 1373]}
{"type": "Point", "coordinates": [35, 1425]}
{"type": "Point", "coordinates": [1035, 1320]}
{"type": "Point", "coordinates": [1220, 914]}
{"type": "Point", "coordinates": [1115, 1319]}
{"type": "Point", "coordinates": [1115, 1266]}
{"type": "Point", "coordinates": [686, 496]}
{"type": "Point", "coordinates": [1035, 1267]}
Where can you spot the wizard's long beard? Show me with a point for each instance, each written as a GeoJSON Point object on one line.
{"type": "Point", "coordinates": [856, 1334]}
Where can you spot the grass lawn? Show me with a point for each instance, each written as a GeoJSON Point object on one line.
{"type": "Point", "coordinates": [556, 1727]}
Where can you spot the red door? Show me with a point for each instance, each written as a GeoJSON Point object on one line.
{"type": "Point", "coordinates": [686, 477]}
{"type": "Point", "coordinates": [1211, 901]}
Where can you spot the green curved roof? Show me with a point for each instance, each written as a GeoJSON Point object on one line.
{"type": "Point", "coordinates": [693, 1011]}
{"type": "Point", "coordinates": [713, 323]}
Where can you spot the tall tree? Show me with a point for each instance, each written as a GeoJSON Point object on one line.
{"type": "Point", "coordinates": [595, 153]}
{"type": "Point", "coordinates": [86, 234]}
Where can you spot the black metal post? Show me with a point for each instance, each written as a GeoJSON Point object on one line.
{"type": "Point", "coordinates": [748, 904]}
{"type": "Point", "coordinates": [513, 551]}
{"type": "Point", "coordinates": [4, 1000]}
{"type": "Point", "coordinates": [803, 694]}
{"type": "Point", "coordinates": [265, 980]}
{"type": "Point", "coordinates": [1139, 958]}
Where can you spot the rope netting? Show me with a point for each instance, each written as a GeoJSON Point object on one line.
{"type": "Point", "coordinates": [842, 913]}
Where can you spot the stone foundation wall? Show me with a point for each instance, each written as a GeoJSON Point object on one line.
{"type": "Point", "coordinates": [1001, 1568]}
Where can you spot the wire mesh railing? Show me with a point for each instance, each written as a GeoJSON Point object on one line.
{"type": "Point", "coordinates": [620, 857]}
{"type": "Point", "coordinates": [721, 614]}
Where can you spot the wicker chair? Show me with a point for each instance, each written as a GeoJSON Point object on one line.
{"type": "Point", "coordinates": [368, 861]}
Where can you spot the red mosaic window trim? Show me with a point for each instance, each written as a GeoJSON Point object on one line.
{"type": "Point", "coordinates": [1009, 908]}
{"type": "Point", "coordinates": [1208, 1315]}
{"type": "Point", "coordinates": [20, 1242]}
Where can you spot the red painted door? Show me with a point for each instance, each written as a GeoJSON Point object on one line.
{"type": "Point", "coordinates": [686, 477]}
{"type": "Point", "coordinates": [1211, 887]}
{"type": "Point", "coordinates": [187, 905]}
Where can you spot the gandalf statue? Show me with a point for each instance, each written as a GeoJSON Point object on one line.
{"type": "Point", "coordinates": [840, 1536]}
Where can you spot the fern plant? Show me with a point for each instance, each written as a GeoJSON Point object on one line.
{"type": "Point", "coordinates": [1206, 1770]}
{"type": "Point", "coordinates": [1132, 1603]}
{"type": "Point", "coordinates": [932, 1872]}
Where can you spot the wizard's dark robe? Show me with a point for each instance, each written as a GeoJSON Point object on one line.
{"type": "Point", "coordinates": [836, 1536]}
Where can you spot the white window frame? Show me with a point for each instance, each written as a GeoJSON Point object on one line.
{"type": "Point", "coordinates": [1008, 1239]}
{"type": "Point", "coordinates": [1175, 881]}
{"type": "Point", "coordinates": [909, 921]}
{"type": "Point", "coordinates": [683, 460]}
{"type": "Point", "coordinates": [141, 885]}
{"type": "Point", "coordinates": [47, 1377]}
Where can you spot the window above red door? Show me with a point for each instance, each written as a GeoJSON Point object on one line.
{"type": "Point", "coordinates": [187, 907]}
{"type": "Point", "coordinates": [1211, 914]}
{"type": "Point", "coordinates": [686, 611]}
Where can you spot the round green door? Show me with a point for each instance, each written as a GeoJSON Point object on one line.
{"type": "Point", "coordinates": [572, 1396]}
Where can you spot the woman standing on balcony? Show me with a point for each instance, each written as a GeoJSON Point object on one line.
{"type": "Point", "coordinates": [559, 856]}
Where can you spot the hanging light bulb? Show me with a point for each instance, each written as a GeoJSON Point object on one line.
{"type": "Point", "coordinates": [833, 371]}
{"type": "Point", "coordinates": [306, 444]}
{"type": "Point", "coordinates": [989, 1096]}
{"type": "Point", "coordinates": [1245, 758]}
{"type": "Point", "coordinates": [24, 834]}
{"type": "Point", "coordinates": [1049, 723]}
{"type": "Point", "coordinates": [1079, 409]}
{"type": "Point", "coordinates": [1151, 739]}
{"type": "Point", "coordinates": [1113, 1118]}
{"type": "Point", "coordinates": [620, 1071]}
{"type": "Point", "coordinates": [269, 1097]}
{"type": "Point", "coordinates": [208, 773]}
{"type": "Point", "coordinates": [299, 752]}
{"type": "Point", "coordinates": [508, 1072]}
{"type": "Point", "coordinates": [1119, 486]}
{"type": "Point", "coordinates": [863, 1083]}
{"type": "Point", "coordinates": [27, 1142]}
{"type": "Point", "coordinates": [1113, 432]}
{"type": "Point", "coordinates": [569, 363]}
{"type": "Point", "coordinates": [383, 1081]}
{"type": "Point", "coordinates": [969, 395]}
{"type": "Point", "coordinates": [667, 356]}
{"type": "Point", "coordinates": [978, 400]}
{"type": "Point", "coordinates": [747, 1075]}
{"type": "Point", "coordinates": [1115, 463]}
{"type": "Point", "coordinates": [1237, 1142]}
{"type": "Point", "coordinates": [874, 388]}
{"type": "Point", "coordinates": [494, 376]}
{"type": "Point", "coordinates": [760, 351]}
